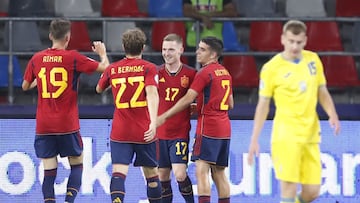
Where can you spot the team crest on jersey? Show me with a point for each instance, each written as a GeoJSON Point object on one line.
{"type": "Point", "coordinates": [184, 81]}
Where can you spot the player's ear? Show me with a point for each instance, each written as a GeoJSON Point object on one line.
{"type": "Point", "coordinates": [182, 50]}
{"type": "Point", "coordinates": [305, 41]}
{"type": "Point", "coordinates": [282, 39]}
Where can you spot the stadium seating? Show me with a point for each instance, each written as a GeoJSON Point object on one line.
{"type": "Point", "coordinates": [355, 39]}
{"type": "Point", "coordinates": [113, 35]}
{"type": "Point", "coordinates": [340, 71]}
{"type": "Point", "coordinates": [4, 67]}
{"type": "Point", "coordinates": [230, 38]}
{"type": "Point", "coordinates": [323, 36]}
{"type": "Point", "coordinates": [80, 39]}
{"type": "Point", "coordinates": [165, 8]}
{"type": "Point", "coordinates": [28, 8]}
{"type": "Point", "coordinates": [23, 42]}
{"type": "Point", "coordinates": [4, 7]}
{"type": "Point", "coordinates": [116, 8]}
{"type": "Point", "coordinates": [305, 8]}
{"type": "Point", "coordinates": [243, 70]}
{"type": "Point", "coordinates": [265, 36]}
{"type": "Point", "coordinates": [347, 8]}
{"type": "Point", "coordinates": [256, 8]}
{"type": "Point", "coordinates": [162, 28]}
{"type": "Point", "coordinates": [74, 8]}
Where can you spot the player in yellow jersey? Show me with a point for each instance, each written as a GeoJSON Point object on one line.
{"type": "Point", "coordinates": [295, 80]}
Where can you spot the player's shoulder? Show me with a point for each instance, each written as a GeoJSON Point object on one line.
{"type": "Point", "coordinates": [309, 54]}
{"type": "Point", "coordinates": [274, 62]}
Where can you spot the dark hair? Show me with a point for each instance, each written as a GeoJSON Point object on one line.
{"type": "Point", "coordinates": [215, 44]}
{"type": "Point", "coordinates": [295, 26]}
{"type": "Point", "coordinates": [133, 41]}
{"type": "Point", "coordinates": [173, 37]}
{"type": "Point", "coordinates": [59, 28]}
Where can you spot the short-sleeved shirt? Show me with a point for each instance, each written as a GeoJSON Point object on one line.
{"type": "Point", "coordinates": [173, 86]}
{"type": "Point", "coordinates": [294, 87]}
{"type": "Point", "coordinates": [205, 6]}
{"type": "Point", "coordinates": [57, 73]}
{"type": "Point", "coordinates": [128, 79]}
{"type": "Point", "coordinates": [213, 84]}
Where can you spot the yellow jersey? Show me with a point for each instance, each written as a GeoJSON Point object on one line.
{"type": "Point", "coordinates": [294, 86]}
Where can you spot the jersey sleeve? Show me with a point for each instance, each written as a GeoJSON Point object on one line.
{"type": "Point", "coordinates": [85, 64]}
{"type": "Point", "coordinates": [200, 81]}
{"type": "Point", "coordinates": [29, 74]}
{"type": "Point", "coordinates": [320, 71]}
{"type": "Point", "coordinates": [151, 77]}
{"type": "Point", "coordinates": [104, 80]}
{"type": "Point", "coordinates": [265, 85]}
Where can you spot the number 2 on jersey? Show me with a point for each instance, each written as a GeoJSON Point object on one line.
{"type": "Point", "coordinates": [226, 85]}
{"type": "Point", "coordinates": [61, 84]}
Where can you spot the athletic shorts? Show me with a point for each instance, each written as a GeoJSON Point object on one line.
{"type": "Point", "coordinates": [47, 146]}
{"type": "Point", "coordinates": [173, 151]}
{"type": "Point", "coordinates": [145, 154]}
{"type": "Point", "coordinates": [214, 151]}
{"type": "Point", "coordinates": [297, 162]}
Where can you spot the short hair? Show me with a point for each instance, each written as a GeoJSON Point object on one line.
{"type": "Point", "coordinates": [295, 26]}
{"type": "Point", "coordinates": [215, 44]}
{"type": "Point", "coordinates": [173, 37]}
{"type": "Point", "coordinates": [59, 28]}
{"type": "Point", "coordinates": [133, 41]}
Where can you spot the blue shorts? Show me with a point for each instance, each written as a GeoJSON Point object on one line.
{"type": "Point", "coordinates": [214, 151]}
{"type": "Point", "coordinates": [123, 153]}
{"type": "Point", "coordinates": [173, 151]}
{"type": "Point", "coordinates": [47, 146]}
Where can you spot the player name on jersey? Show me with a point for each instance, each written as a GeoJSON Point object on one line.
{"type": "Point", "coordinates": [126, 69]}
{"type": "Point", "coordinates": [50, 59]}
{"type": "Point", "coordinates": [221, 72]}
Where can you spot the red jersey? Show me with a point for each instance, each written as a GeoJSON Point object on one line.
{"type": "Point", "coordinates": [128, 79]}
{"type": "Point", "coordinates": [57, 74]}
{"type": "Point", "coordinates": [173, 86]}
{"type": "Point", "coordinates": [214, 86]}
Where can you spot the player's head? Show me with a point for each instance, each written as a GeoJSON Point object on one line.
{"type": "Point", "coordinates": [133, 41]}
{"type": "Point", "coordinates": [294, 38]}
{"type": "Point", "coordinates": [209, 50]}
{"type": "Point", "coordinates": [59, 30]}
{"type": "Point", "coordinates": [172, 48]}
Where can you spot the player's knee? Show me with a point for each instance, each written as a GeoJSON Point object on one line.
{"type": "Point", "coordinates": [313, 195]}
{"type": "Point", "coordinates": [180, 175]}
{"type": "Point", "coordinates": [310, 195]}
{"type": "Point", "coordinates": [153, 184]}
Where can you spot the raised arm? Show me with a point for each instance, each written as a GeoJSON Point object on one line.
{"type": "Point", "coordinates": [100, 49]}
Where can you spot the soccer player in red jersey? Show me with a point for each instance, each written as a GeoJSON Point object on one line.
{"type": "Point", "coordinates": [55, 71]}
{"type": "Point", "coordinates": [212, 88]}
{"type": "Point", "coordinates": [175, 79]}
{"type": "Point", "coordinates": [134, 84]}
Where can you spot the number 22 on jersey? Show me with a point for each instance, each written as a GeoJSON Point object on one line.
{"type": "Point", "coordinates": [61, 84]}
{"type": "Point", "coordinates": [134, 100]}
